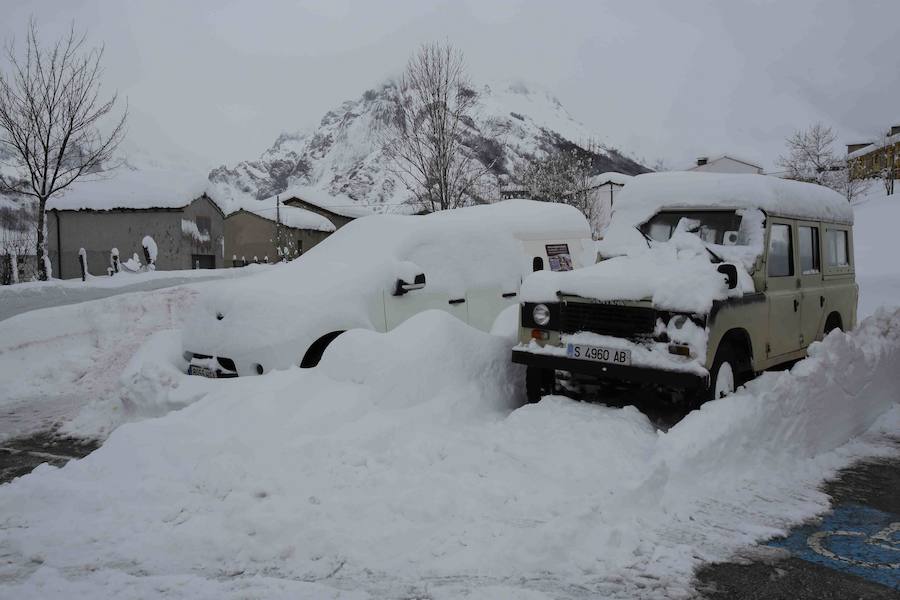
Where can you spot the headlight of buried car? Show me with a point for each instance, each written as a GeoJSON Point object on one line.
{"type": "Point", "coordinates": [541, 315]}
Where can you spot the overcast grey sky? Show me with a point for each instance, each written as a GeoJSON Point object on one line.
{"type": "Point", "coordinates": [217, 81]}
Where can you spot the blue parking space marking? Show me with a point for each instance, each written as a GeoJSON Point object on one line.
{"type": "Point", "coordinates": [854, 539]}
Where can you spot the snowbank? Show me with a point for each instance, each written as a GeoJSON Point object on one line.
{"type": "Point", "coordinates": [399, 467]}
{"type": "Point", "coordinates": [875, 249]}
{"type": "Point", "coordinates": [56, 360]}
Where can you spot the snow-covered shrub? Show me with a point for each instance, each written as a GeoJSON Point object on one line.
{"type": "Point", "coordinates": [82, 257]}
{"type": "Point", "coordinates": [150, 252]}
{"type": "Point", "coordinates": [114, 259]}
{"type": "Point", "coordinates": [133, 264]}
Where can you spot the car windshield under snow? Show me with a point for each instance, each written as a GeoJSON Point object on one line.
{"type": "Point", "coordinates": [719, 227]}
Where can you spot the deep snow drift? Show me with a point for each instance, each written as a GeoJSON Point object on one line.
{"type": "Point", "coordinates": [400, 467]}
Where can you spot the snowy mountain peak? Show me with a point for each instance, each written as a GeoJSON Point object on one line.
{"type": "Point", "coordinates": [513, 121]}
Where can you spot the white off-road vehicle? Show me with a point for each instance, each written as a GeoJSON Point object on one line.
{"type": "Point", "coordinates": [703, 280]}
{"type": "Point", "coordinates": [375, 273]}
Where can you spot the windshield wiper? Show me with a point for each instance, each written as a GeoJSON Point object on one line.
{"type": "Point", "coordinates": [646, 237]}
{"type": "Point", "coordinates": [716, 257]}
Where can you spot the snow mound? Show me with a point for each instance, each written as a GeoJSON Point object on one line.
{"type": "Point", "coordinates": [398, 467]}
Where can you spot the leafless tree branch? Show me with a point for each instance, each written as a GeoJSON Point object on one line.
{"type": "Point", "coordinates": [51, 116]}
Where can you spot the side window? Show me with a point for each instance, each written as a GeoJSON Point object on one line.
{"type": "Point", "coordinates": [781, 256]}
{"type": "Point", "coordinates": [837, 255]}
{"type": "Point", "coordinates": [809, 250]}
{"type": "Point", "coordinates": [203, 224]}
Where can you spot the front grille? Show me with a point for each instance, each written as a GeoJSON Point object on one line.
{"type": "Point", "coordinates": [607, 319]}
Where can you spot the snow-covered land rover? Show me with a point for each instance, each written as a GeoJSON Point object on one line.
{"type": "Point", "coordinates": [703, 280]}
{"type": "Point", "coordinates": [375, 273]}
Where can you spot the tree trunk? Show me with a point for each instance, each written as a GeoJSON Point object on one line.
{"type": "Point", "coordinates": [41, 252]}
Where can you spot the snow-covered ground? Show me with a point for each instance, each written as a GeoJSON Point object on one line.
{"type": "Point", "coordinates": [404, 466]}
{"type": "Point", "coordinates": [33, 295]}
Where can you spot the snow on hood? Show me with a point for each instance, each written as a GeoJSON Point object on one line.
{"type": "Point", "coordinates": [676, 275]}
{"type": "Point", "coordinates": [334, 286]}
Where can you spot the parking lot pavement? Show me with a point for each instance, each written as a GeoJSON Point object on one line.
{"type": "Point", "coordinates": [852, 552]}
{"type": "Point", "coordinates": [21, 455]}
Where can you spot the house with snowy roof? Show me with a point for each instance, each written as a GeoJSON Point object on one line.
{"type": "Point", "coordinates": [174, 220]}
{"type": "Point", "coordinates": [872, 159]}
{"type": "Point", "coordinates": [726, 163]}
{"type": "Point", "coordinates": [340, 209]}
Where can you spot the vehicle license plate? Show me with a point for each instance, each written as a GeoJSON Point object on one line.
{"type": "Point", "coordinates": [202, 371]}
{"type": "Point", "coordinates": [599, 354]}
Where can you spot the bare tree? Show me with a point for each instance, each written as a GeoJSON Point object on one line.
{"type": "Point", "coordinates": [50, 118]}
{"type": "Point", "coordinates": [565, 177]}
{"type": "Point", "coordinates": [847, 181]}
{"type": "Point", "coordinates": [888, 170]}
{"type": "Point", "coordinates": [811, 157]}
{"type": "Point", "coordinates": [424, 137]}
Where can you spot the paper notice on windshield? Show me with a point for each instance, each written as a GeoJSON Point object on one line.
{"type": "Point", "coordinates": [560, 259]}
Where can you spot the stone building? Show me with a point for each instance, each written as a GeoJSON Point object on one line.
{"type": "Point", "coordinates": [337, 208]}
{"type": "Point", "coordinates": [252, 230]}
{"type": "Point", "coordinates": [189, 236]}
{"type": "Point", "coordinates": [190, 225]}
{"type": "Point", "coordinates": [876, 159]}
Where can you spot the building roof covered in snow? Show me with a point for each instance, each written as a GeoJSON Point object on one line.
{"type": "Point", "coordinates": [148, 189]}
{"type": "Point", "coordinates": [338, 204]}
{"type": "Point", "coordinates": [726, 163]}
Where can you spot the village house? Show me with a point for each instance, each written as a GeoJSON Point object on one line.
{"type": "Point", "coordinates": [726, 163]}
{"type": "Point", "coordinates": [188, 225]}
{"type": "Point", "coordinates": [876, 159]}
{"type": "Point", "coordinates": [337, 208]}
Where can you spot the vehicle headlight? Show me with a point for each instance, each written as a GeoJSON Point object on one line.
{"type": "Point", "coordinates": [541, 315]}
{"type": "Point", "coordinates": [678, 321]}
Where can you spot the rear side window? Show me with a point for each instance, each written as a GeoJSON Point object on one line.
{"type": "Point", "coordinates": [837, 255]}
{"type": "Point", "coordinates": [809, 250]}
{"type": "Point", "coordinates": [781, 256]}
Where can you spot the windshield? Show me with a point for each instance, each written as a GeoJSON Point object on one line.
{"type": "Point", "coordinates": [720, 227]}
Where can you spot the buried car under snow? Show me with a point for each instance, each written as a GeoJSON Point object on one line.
{"type": "Point", "coordinates": [703, 281]}
{"type": "Point", "coordinates": [376, 272]}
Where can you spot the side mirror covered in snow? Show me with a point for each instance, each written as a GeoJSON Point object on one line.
{"type": "Point", "coordinates": [403, 287]}
{"type": "Point", "coordinates": [730, 273]}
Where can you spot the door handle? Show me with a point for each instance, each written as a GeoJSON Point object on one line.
{"type": "Point", "coordinates": [796, 304]}
{"type": "Point", "coordinates": [821, 301]}
{"type": "Point", "coordinates": [508, 295]}
{"type": "Point", "coordinates": [456, 301]}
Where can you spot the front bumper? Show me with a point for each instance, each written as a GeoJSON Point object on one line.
{"type": "Point", "coordinates": [632, 374]}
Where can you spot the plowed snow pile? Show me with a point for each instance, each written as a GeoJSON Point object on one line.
{"type": "Point", "coordinates": [400, 468]}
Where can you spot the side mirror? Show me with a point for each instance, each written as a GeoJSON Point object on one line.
{"type": "Point", "coordinates": [402, 287]}
{"type": "Point", "coordinates": [730, 273]}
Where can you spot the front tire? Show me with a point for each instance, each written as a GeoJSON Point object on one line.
{"type": "Point", "coordinates": [725, 376]}
{"type": "Point", "coordinates": [538, 383]}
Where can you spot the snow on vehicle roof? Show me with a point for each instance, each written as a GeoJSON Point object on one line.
{"type": "Point", "coordinates": [650, 193]}
{"type": "Point", "coordinates": [339, 204]}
